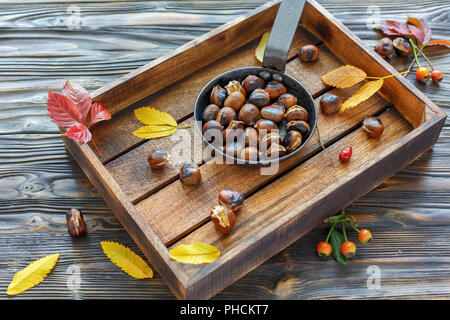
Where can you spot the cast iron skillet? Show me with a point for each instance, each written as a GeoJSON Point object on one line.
{"type": "Point", "coordinates": [274, 61]}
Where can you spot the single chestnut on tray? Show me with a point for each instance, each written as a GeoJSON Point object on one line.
{"type": "Point", "coordinates": [157, 159]}
{"type": "Point", "coordinates": [190, 174]}
{"type": "Point", "coordinates": [223, 218]}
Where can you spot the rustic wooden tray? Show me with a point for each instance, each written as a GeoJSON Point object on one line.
{"type": "Point", "coordinates": [159, 212]}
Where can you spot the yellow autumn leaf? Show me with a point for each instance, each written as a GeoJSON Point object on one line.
{"type": "Point", "coordinates": [344, 77]}
{"type": "Point", "coordinates": [259, 52]}
{"type": "Point", "coordinates": [127, 260]}
{"type": "Point", "coordinates": [154, 131]}
{"type": "Point", "coordinates": [195, 253]}
{"type": "Point", "coordinates": [32, 275]}
{"type": "Point", "coordinates": [363, 93]}
{"type": "Point", "coordinates": [149, 116]}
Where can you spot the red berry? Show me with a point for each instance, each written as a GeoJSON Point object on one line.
{"type": "Point", "coordinates": [348, 249]}
{"type": "Point", "coordinates": [422, 74]}
{"type": "Point", "coordinates": [437, 76]}
{"type": "Point", "coordinates": [324, 249]}
{"type": "Point", "coordinates": [345, 154]}
{"type": "Point", "coordinates": [364, 236]}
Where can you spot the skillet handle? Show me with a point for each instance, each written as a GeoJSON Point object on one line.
{"type": "Point", "coordinates": [282, 34]}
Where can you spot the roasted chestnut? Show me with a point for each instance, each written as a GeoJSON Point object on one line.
{"type": "Point", "coordinates": [218, 96]}
{"type": "Point", "coordinates": [250, 154]}
{"type": "Point", "coordinates": [190, 174]}
{"type": "Point", "coordinates": [223, 218]}
{"type": "Point", "coordinates": [292, 140]}
{"type": "Point", "coordinates": [158, 158]}
{"type": "Point", "coordinates": [252, 82]}
{"type": "Point", "coordinates": [250, 137]}
{"type": "Point", "coordinates": [259, 97]}
{"type": "Point", "coordinates": [211, 130]}
{"type": "Point", "coordinates": [231, 199]}
{"type": "Point", "coordinates": [275, 151]}
{"type": "Point", "coordinates": [269, 139]}
{"type": "Point", "coordinates": [225, 115]}
{"type": "Point", "coordinates": [265, 75]}
{"type": "Point", "coordinates": [250, 114]}
{"type": "Point", "coordinates": [287, 100]}
{"type": "Point", "coordinates": [296, 113]}
{"type": "Point", "coordinates": [373, 126]}
{"type": "Point", "coordinates": [234, 131]}
{"type": "Point", "coordinates": [330, 103]}
{"type": "Point", "coordinates": [234, 86]}
{"type": "Point", "coordinates": [273, 112]}
{"type": "Point", "coordinates": [233, 149]}
{"type": "Point", "coordinates": [265, 126]}
{"type": "Point", "coordinates": [277, 77]}
{"type": "Point", "coordinates": [402, 46]}
{"type": "Point", "coordinates": [384, 47]}
{"type": "Point", "coordinates": [275, 89]}
{"type": "Point", "coordinates": [308, 53]}
{"type": "Point", "coordinates": [298, 125]}
{"type": "Point", "coordinates": [235, 101]}
{"type": "Point", "coordinates": [210, 112]}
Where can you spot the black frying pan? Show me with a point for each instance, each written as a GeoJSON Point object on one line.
{"type": "Point", "coordinates": [275, 56]}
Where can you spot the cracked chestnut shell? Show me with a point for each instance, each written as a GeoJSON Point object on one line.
{"type": "Point", "coordinates": [218, 96]}
{"type": "Point", "coordinates": [259, 97]}
{"type": "Point", "coordinates": [235, 101]}
{"type": "Point", "coordinates": [296, 113]}
{"type": "Point", "coordinates": [402, 46]}
{"type": "Point", "coordinates": [250, 114]}
{"type": "Point", "coordinates": [252, 82]}
{"type": "Point", "coordinates": [373, 126]}
{"type": "Point", "coordinates": [275, 151]}
{"type": "Point", "coordinates": [225, 115]}
{"type": "Point", "coordinates": [287, 100]}
{"type": "Point", "coordinates": [158, 158]}
{"type": "Point", "coordinates": [273, 112]}
{"type": "Point", "coordinates": [223, 218]}
{"type": "Point", "coordinates": [300, 126]}
{"type": "Point", "coordinates": [250, 137]}
{"type": "Point", "coordinates": [275, 89]}
{"type": "Point", "coordinates": [75, 223]}
{"type": "Point", "coordinates": [231, 199]}
{"type": "Point", "coordinates": [249, 154]}
{"type": "Point", "coordinates": [292, 140]}
{"type": "Point", "coordinates": [269, 139]}
{"type": "Point", "coordinates": [234, 131]}
{"type": "Point", "coordinates": [233, 149]}
{"type": "Point", "coordinates": [190, 174]}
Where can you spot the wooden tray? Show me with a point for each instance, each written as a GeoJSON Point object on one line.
{"type": "Point", "coordinates": [159, 212]}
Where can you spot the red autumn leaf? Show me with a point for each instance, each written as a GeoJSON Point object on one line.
{"type": "Point", "coordinates": [424, 35]}
{"type": "Point", "coordinates": [80, 97]}
{"type": "Point", "coordinates": [62, 110]}
{"type": "Point", "coordinates": [398, 27]}
{"type": "Point", "coordinates": [426, 31]}
{"type": "Point", "coordinates": [445, 43]}
{"type": "Point", "coordinates": [79, 133]}
{"type": "Point", "coordinates": [98, 113]}
{"type": "Point", "coordinates": [418, 34]}
{"type": "Point", "coordinates": [385, 29]}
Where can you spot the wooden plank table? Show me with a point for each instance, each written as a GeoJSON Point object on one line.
{"type": "Point", "coordinates": [94, 43]}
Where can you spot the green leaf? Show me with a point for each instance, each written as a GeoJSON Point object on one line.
{"type": "Point", "coordinates": [336, 240]}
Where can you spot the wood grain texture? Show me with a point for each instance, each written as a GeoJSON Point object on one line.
{"type": "Point", "coordinates": [39, 180]}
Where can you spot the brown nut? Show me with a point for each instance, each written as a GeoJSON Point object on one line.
{"type": "Point", "coordinates": [234, 131]}
{"type": "Point", "coordinates": [259, 97]}
{"type": "Point", "coordinates": [373, 126]}
{"type": "Point", "coordinates": [75, 223]}
{"type": "Point", "coordinates": [223, 218]}
{"type": "Point", "coordinates": [330, 103]}
{"type": "Point", "coordinates": [233, 149]}
{"type": "Point", "coordinates": [384, 47]}
{"type": "Point", "coordinates": [158, 158]}
{"type": "Point", "coordinates": [308, 53]}
{"type": "Point", "coordinates": [402, 46]}
{"type": "Point", "coordinates": [231, 199]}
{"type": "Point", "coordinates": [265, 126]}
{"type": "Point", "coordinates": [277, 77]}
{"type": "Point", "coordinates": [190, 174]}
{"type": "Point", "coordinates": [250, 114]}
{"type": "Point", "coordinates": [235, 101]}
{"type": "Point", "coordinates": [269, 139]}
{"type": "Point", "coordinates": [210, 112]}
{"type": "Point", "coordinates": [211, 130]}
{"type": "Point", "coordinates": [218, 96]}
{"type": "Point", "coordinates": [296, 113]}
{"type": "Point", "coordinates": [273, 112]}
{"type": "Point", "coordinates": [250, 137]}
{"type": "Point", "coordinates": [249, 154]}
{"type": "Point", "coordinates": [275, 151]}
{"type": "Point", "coordinates": [252, 82]}
{"type": "Point", "coordinates": [234, 86]}
{"type": "Point", "coordinates": [300, 126]}
{"type": "Point", "coordinates": [225, 115]}
{"type": "Point", "coordinates": [287, 100]}
{"type": "Point", "coordinates": [275, 89]}
{"type": "Point", "coordinates": [292, 140]}
{"type": "Point", "coordinates": [265, 75]}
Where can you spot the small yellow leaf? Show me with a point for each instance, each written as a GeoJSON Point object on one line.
{"type": "Point", "coordinates": [196, 253]}
{"type": "Point", "coordinates": [154, 131]}
{"type": "Point", "coordinates": [259, 52]}
{"type": "Point", "coordinates": [32, 275]}
{"type": "Point", "coordinates": [363, 93]}
{"type": "Point", "coordinates": [148, 115]}
{"type": "Point", "coordinates": [344, 77]}
{"type": "Point", "coordinates": [127, 260]}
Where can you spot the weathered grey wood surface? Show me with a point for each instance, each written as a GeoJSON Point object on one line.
{"type": "Point", "coordinates": [43, 42]}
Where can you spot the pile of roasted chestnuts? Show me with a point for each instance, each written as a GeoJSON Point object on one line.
{"type": "Point", "coordinates": [256, 119]}
{"type": "Point", "coordinates": [223, 215]}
